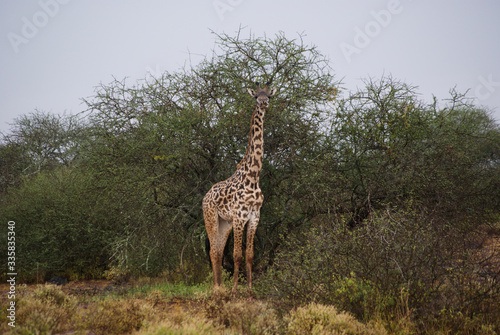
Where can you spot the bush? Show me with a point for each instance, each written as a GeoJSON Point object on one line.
{"type": "Point", "coordinates": [250, 317]}
{"type": "Point", "coordinates": [114, 317]}
{"type": "Point", "coordinates": [181, 323]}
{"type": "Point", "coordinates": [45, 311]}
{"type": "Point", "coordinates": [395, 262]}
{"type": "Point", "coordinates": [320, 319]}
{"type": "Point", "coordinates": [61, 227]}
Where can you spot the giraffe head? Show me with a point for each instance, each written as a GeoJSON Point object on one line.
{"type": "Point", "coordinates": [262, 95]}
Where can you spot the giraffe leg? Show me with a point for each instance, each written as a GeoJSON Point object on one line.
{"type": "Point", "coordinates": [216, 265]}
{"type": "Point", "coordinates": [213, 232]}
{"type": "Point", "coordinates": [224, 230]}
{"type": "Point", "coordinates": [238, 252]}
{"type": "Point", "coordinates": [251, 229]}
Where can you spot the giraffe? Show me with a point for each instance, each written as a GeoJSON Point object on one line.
{"type": "Point", "coordinates": [235, 202]}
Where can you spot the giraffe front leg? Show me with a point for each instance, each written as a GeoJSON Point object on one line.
{"type": "Point", "coordinates": [251, 229]}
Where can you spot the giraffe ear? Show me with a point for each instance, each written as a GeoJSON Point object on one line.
{"type": "Point", "coordinates": [252, 92]}
{"type": "Point", "coordinates": [271, 93]}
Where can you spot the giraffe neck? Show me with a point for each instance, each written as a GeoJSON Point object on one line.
{"type": "Point", "coordinates": [252, 162]}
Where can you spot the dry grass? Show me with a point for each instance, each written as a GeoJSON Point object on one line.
{"type": "Point", "coordinates": [150, 308]}
{"type": "Point", "coordinates": [45, 310]}
{"type": "Point", "coordinates": [113, 316]}
{"type": "Point", "coordinates": [321, 319]}
{"type": "Point", "coordinates": [250, 317]}
{"type": "Point", "coordinates": [49, 309]}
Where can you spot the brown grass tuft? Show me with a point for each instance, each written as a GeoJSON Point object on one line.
{"type": "Point", "coordinates": [46, 310]}
{"type": "Point", "coordinates": [180, 322]}
{"type": "Point", "coordinates": [250, 317]}
{"type": "Point", "coordinates": [320, 319]}
{"type": "Point", "coordinates": [113, 316]}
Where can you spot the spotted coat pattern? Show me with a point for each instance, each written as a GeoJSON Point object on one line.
{"type": "Point", "coordinates": [235, 203]}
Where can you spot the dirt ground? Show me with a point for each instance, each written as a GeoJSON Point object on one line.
{"type": "Point", "coordinates": [81, 287]}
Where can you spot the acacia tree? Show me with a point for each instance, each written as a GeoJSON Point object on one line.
{"type": "Point", "coordinates": [385, 147]}
{"type": "Point", "coordinates": [45, 190]}
{"type": "Point", "coordinates": [39, 141]}
{"type": "Point", "coordinates": [161, 144]}
{"type": "Point", "coordinates": [48, 139]}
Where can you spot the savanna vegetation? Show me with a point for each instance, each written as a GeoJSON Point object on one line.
{"type": "Point", "coordinates": [381, 212]}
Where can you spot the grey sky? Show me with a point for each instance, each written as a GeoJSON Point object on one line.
{"type": "Point", "coordinates": [54, 52]}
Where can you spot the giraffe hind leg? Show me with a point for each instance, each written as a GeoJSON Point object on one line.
{"type": "Point", "coordinates": [224, 229]}
{"type": "Point", "coordinates": [212, 227]}
{"type": "Point", "coordinates": [219, 233]}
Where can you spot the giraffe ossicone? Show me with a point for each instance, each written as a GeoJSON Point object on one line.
{"type": "Point", "coordinates": [235, 203]}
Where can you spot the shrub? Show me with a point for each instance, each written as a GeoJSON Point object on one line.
{"type": "Point", "coordinates": [113, 316]}
{"type": "Point", "coordinates": [250, 317]}
{"type": "Point", "coordinates": [45, 311]}
{"type": "Point", "coordinates": [397, 261]}
{"type": "Point", "coordinates": [184, 324]}
{"type": "Point", "coordinates": [62, 227]}
{"type": "Point", "coordinates": [321, 319]}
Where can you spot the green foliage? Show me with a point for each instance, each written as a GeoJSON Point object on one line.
{"type": "Point", "coordinates": [385, 147]}
{"type": "Point", "coordinates": [46, 140]}
{"type": "Point", "coordinates": [396, 264]}
{"type": "Point", "coordinates": [61, 228]}
{"type": "Point", "coordinates": [14, 162]}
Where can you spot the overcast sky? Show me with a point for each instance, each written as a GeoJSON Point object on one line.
{"type": "Point", "coordinates": [55, 52]}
